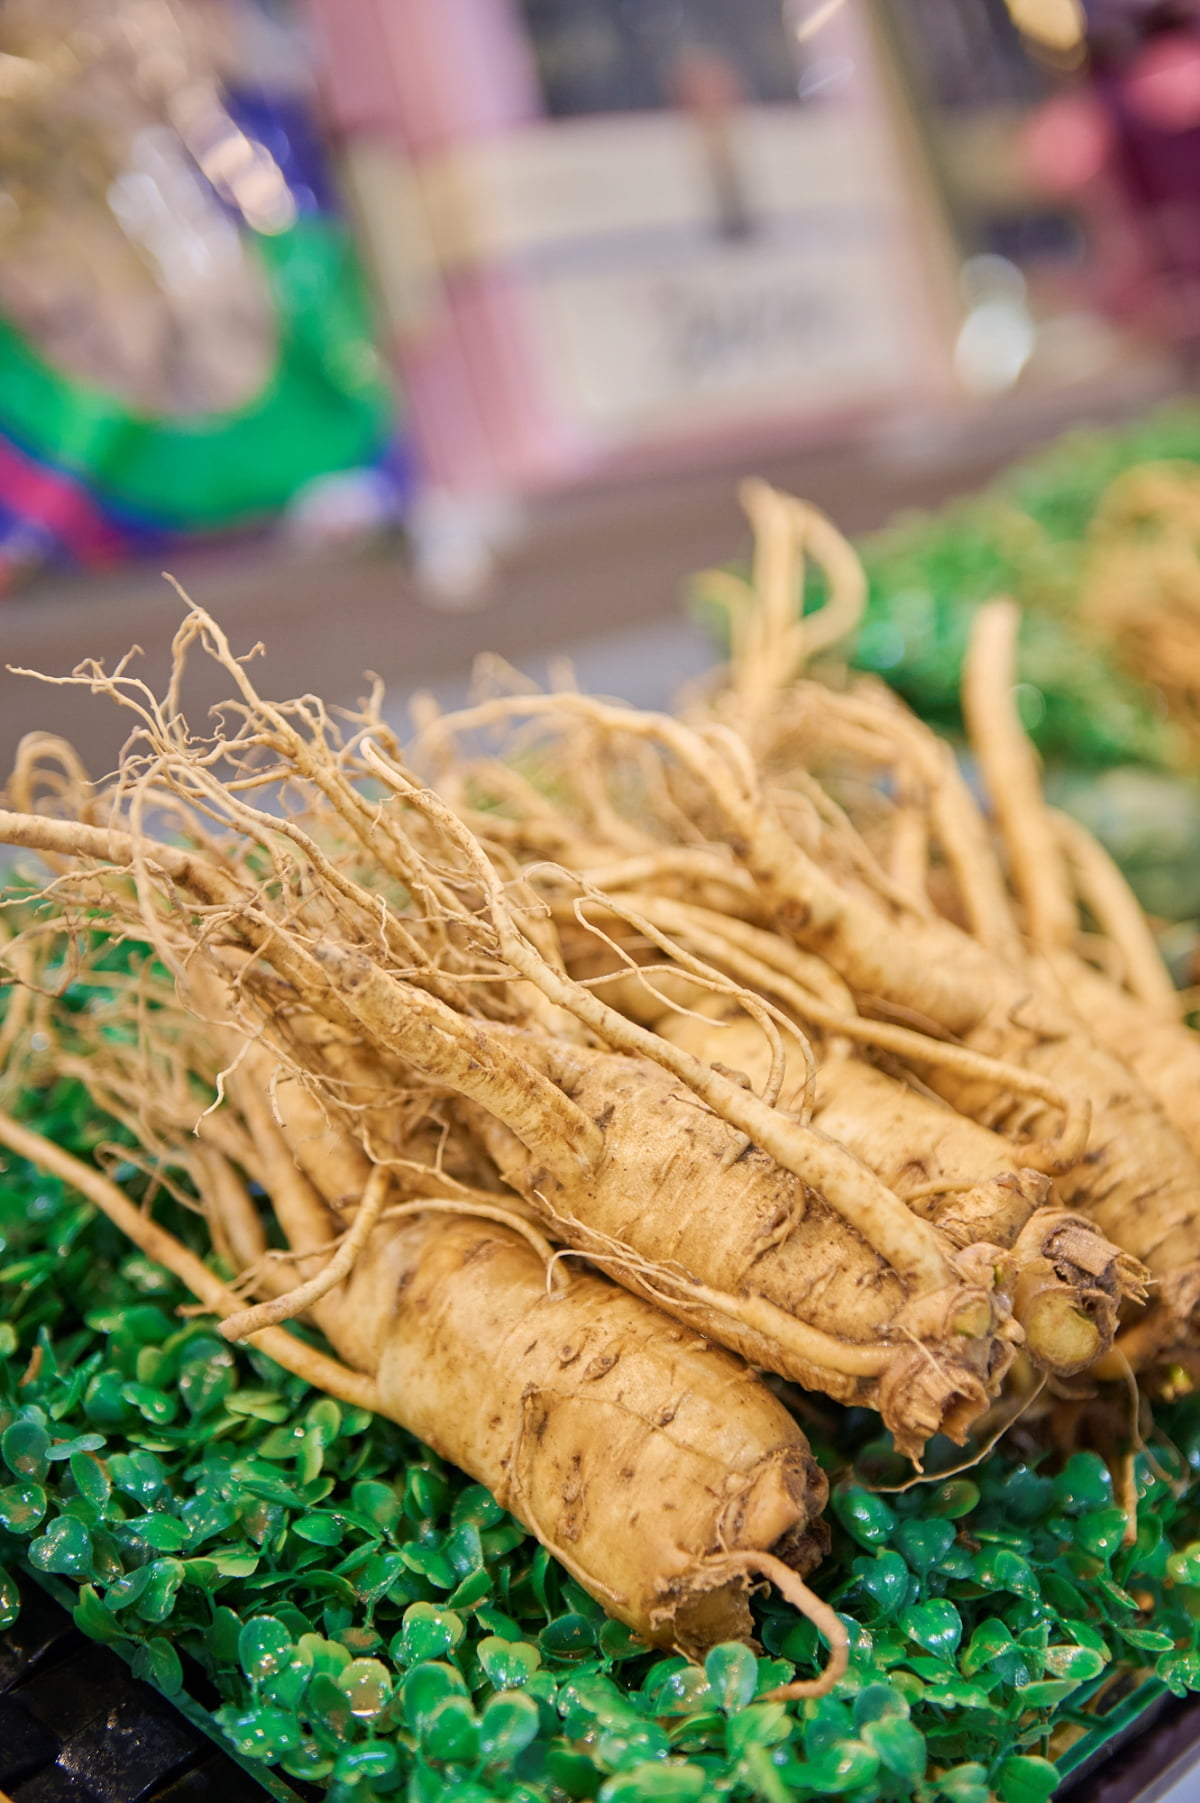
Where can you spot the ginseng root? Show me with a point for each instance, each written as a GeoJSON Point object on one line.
{"type": "Point", "coordinates": [657, 1467]}
{"type": "Point", "coordinates": [437, 979]}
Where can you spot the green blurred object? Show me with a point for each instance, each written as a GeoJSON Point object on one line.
{"type": "Point", "coordinates": [1114, 758]}
{"type": "Point", "coordinates": [1025, 537]}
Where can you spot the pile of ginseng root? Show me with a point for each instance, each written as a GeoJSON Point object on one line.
{"type": "Point", "coordinates": [579, 1068]}
{"type": "Point", "coordinates": [1139, 596]}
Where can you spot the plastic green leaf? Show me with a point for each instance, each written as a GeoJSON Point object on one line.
{"type": "Point", "coordinates": [935, 1625]}
{"type": "Point", "coordinates": [22, 1507]}
{"type": "Point", "coordinates": [63, 1449]}
{"type": "Point", "coordinates": [866, 1518]}
{"type": "Point", "coordinates": [965, 1784]}
{"type": "Point", "coordinates": [157, 1599]}
{"type": "Point", "coordinates": [1183, 1567]}
{"type": "Point", "coordinates": [1114, 1593]}
{"type": "Point", "coordinates": [877, 1702]}
{"type": "Point", "coordinates": [844, 1767]}
{"type": "Point", "coordinates": [1084, 1483]}
{"type": "Point", "coordinates": [476, 1505]}
{"type": "Point", "coordinates": [91, 1479]}
{"type": "Point", "coordinates": [656, 1782]}
{"type": "Point", "coordinates": [23, 1447]}
{"type": "Point", "coordinates": [473, 1589]}
{"type": "Point", "coordinates": [507, 1665]}
{"type": "Point", "coordinates": [627, 1741]}
{"type": "Point", "coordinates": [328, 1709]}
{"type": "Point", "coordinates": [1084, 1634]}
{"type": "Point", "coordinates": [953, 1499]}
{"type": "Point", "coordinates": [65, 1549]}
{"type": "Point", "coordinates": [508, 1725]}
{"type": "Point", "coordinates": [732, 1673]}
{"type": "Point", "coordinates": [234, 1565]}
{"type": "Point", "coordinates": [103, 1401]}
{"type": "Point", "coordinates": [1077, 1662]}
{"type": "Point", "coordinates": [900, 1746]}
{"type": "Point", "coordinates": [1102, 1532]}
{"type": "Point", "coordinates": [262, 1405]}
{"type": "Point", "coordinates": [318, 1530]}
{"type": "Point", "coordinates": [222, 1637]}
{"type": "Point", "coordinates": [426, 1493]}
{"type": "Point", "coordinates": [140, 1475]}
{"type": "Point", "coordinates": [261, 1731]}
{"type": "Point", "coordinates": [378, 1502]}
{"type": "Point", "coordinates": [1180, 1672]}
{"type": "Point", "coordinates": [450, 1733]}
{"type": "Point", "coordinates": [370, 1759]}
{"type": "Point", "coordinates": [568, 1637]}
{"type": "Point", "coordinates": [157, 1661]}
{"type": "Point", "coordinates": [157, 1406]}
{"type": "Point", "coordinates": [924, 1543]}
{"type": "Point", "coordinates": [1027, 1779]}
{"type": "Point", "coordinates": [619, 1642]}
{"type": "Point", "coordinates": [760, 1725]}
{"type": "Point", "coordinates": [287, 1687]}
{"type": "Point", "coordinates": [377, 1575]}
{"type": "Point", "coordinates": [427, 1687]}
{"type": "Point", "coordinates": [885, 1578]}
{"type": "Point", "coordinates": [1148, 1640]}
{"type": "Point", "coordinates": [430, 1562]}
{"type": "Point", "coordinates": [93, 1618]}
{"type": "Point", "coordinates": [264, 1647]}
{"type": "Point", "coordinates": [1000, 1568]}
{"type": "Point", "coordinates": [10, 1600]}
{"type": "Point", "coordinates": [679, 1692]}
{"type": "Point", "coordinates": [1047, 1693]}
{"type": "Point", "coordinates": [309, 1761]}
{"type": "Point", "coordinates": [948, 1692]}
{"type": "Point", "coordinates": [464, 1549]}
{"type": "Point", "coordinates": [163, 1533]}
{"type": "Point", "coordinates": [429, 1632]}
{"type": "Point", "coordinates": [368, 1685]}
{"type": "Point", "coordinates": [207, 1373]}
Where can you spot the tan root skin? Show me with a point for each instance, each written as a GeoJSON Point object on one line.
{"type": "Point", "coordinates": [787, 1277]}
{"type": "Point", "coordinates": [632, 1448]}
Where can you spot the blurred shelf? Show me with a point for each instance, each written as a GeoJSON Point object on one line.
{"type": "Point", "coordinates": [582, 566]}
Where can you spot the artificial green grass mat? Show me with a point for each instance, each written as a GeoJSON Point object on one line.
{"type": "Point", "coordinates": [374, 1623]}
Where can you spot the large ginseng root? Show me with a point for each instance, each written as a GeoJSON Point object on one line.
{"type": "Point", "coordinates": [1140, 595]}
{"type": "Point", "coordinates": [1068, 1105]}
{"type": "Point", "coordinates": [1135, 1067]}
{"type": "Point", "coordinates": [1136, 1177]}
{"type": "Point", "coordinates": [1067, 1282]}
{"type": "Point", "coordinates": [1057, 872]}
{"type": "Point", "coordinates": [658, 1469]}
{"type": "Point", "coordinates": [379, 922]}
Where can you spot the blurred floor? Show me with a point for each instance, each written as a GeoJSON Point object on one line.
{"type": "Point", "coordinates": [598, 576]}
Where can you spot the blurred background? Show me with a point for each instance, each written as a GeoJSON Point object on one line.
{"type": "Point", "coordinates": [398, 330]}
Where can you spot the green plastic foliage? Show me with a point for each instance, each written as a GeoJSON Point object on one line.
{"type": "Point", "coordinates": [376, 1625]}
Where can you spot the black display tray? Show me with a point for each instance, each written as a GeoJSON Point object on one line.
{"type": "Point", "coordinates": [77, 1727]}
